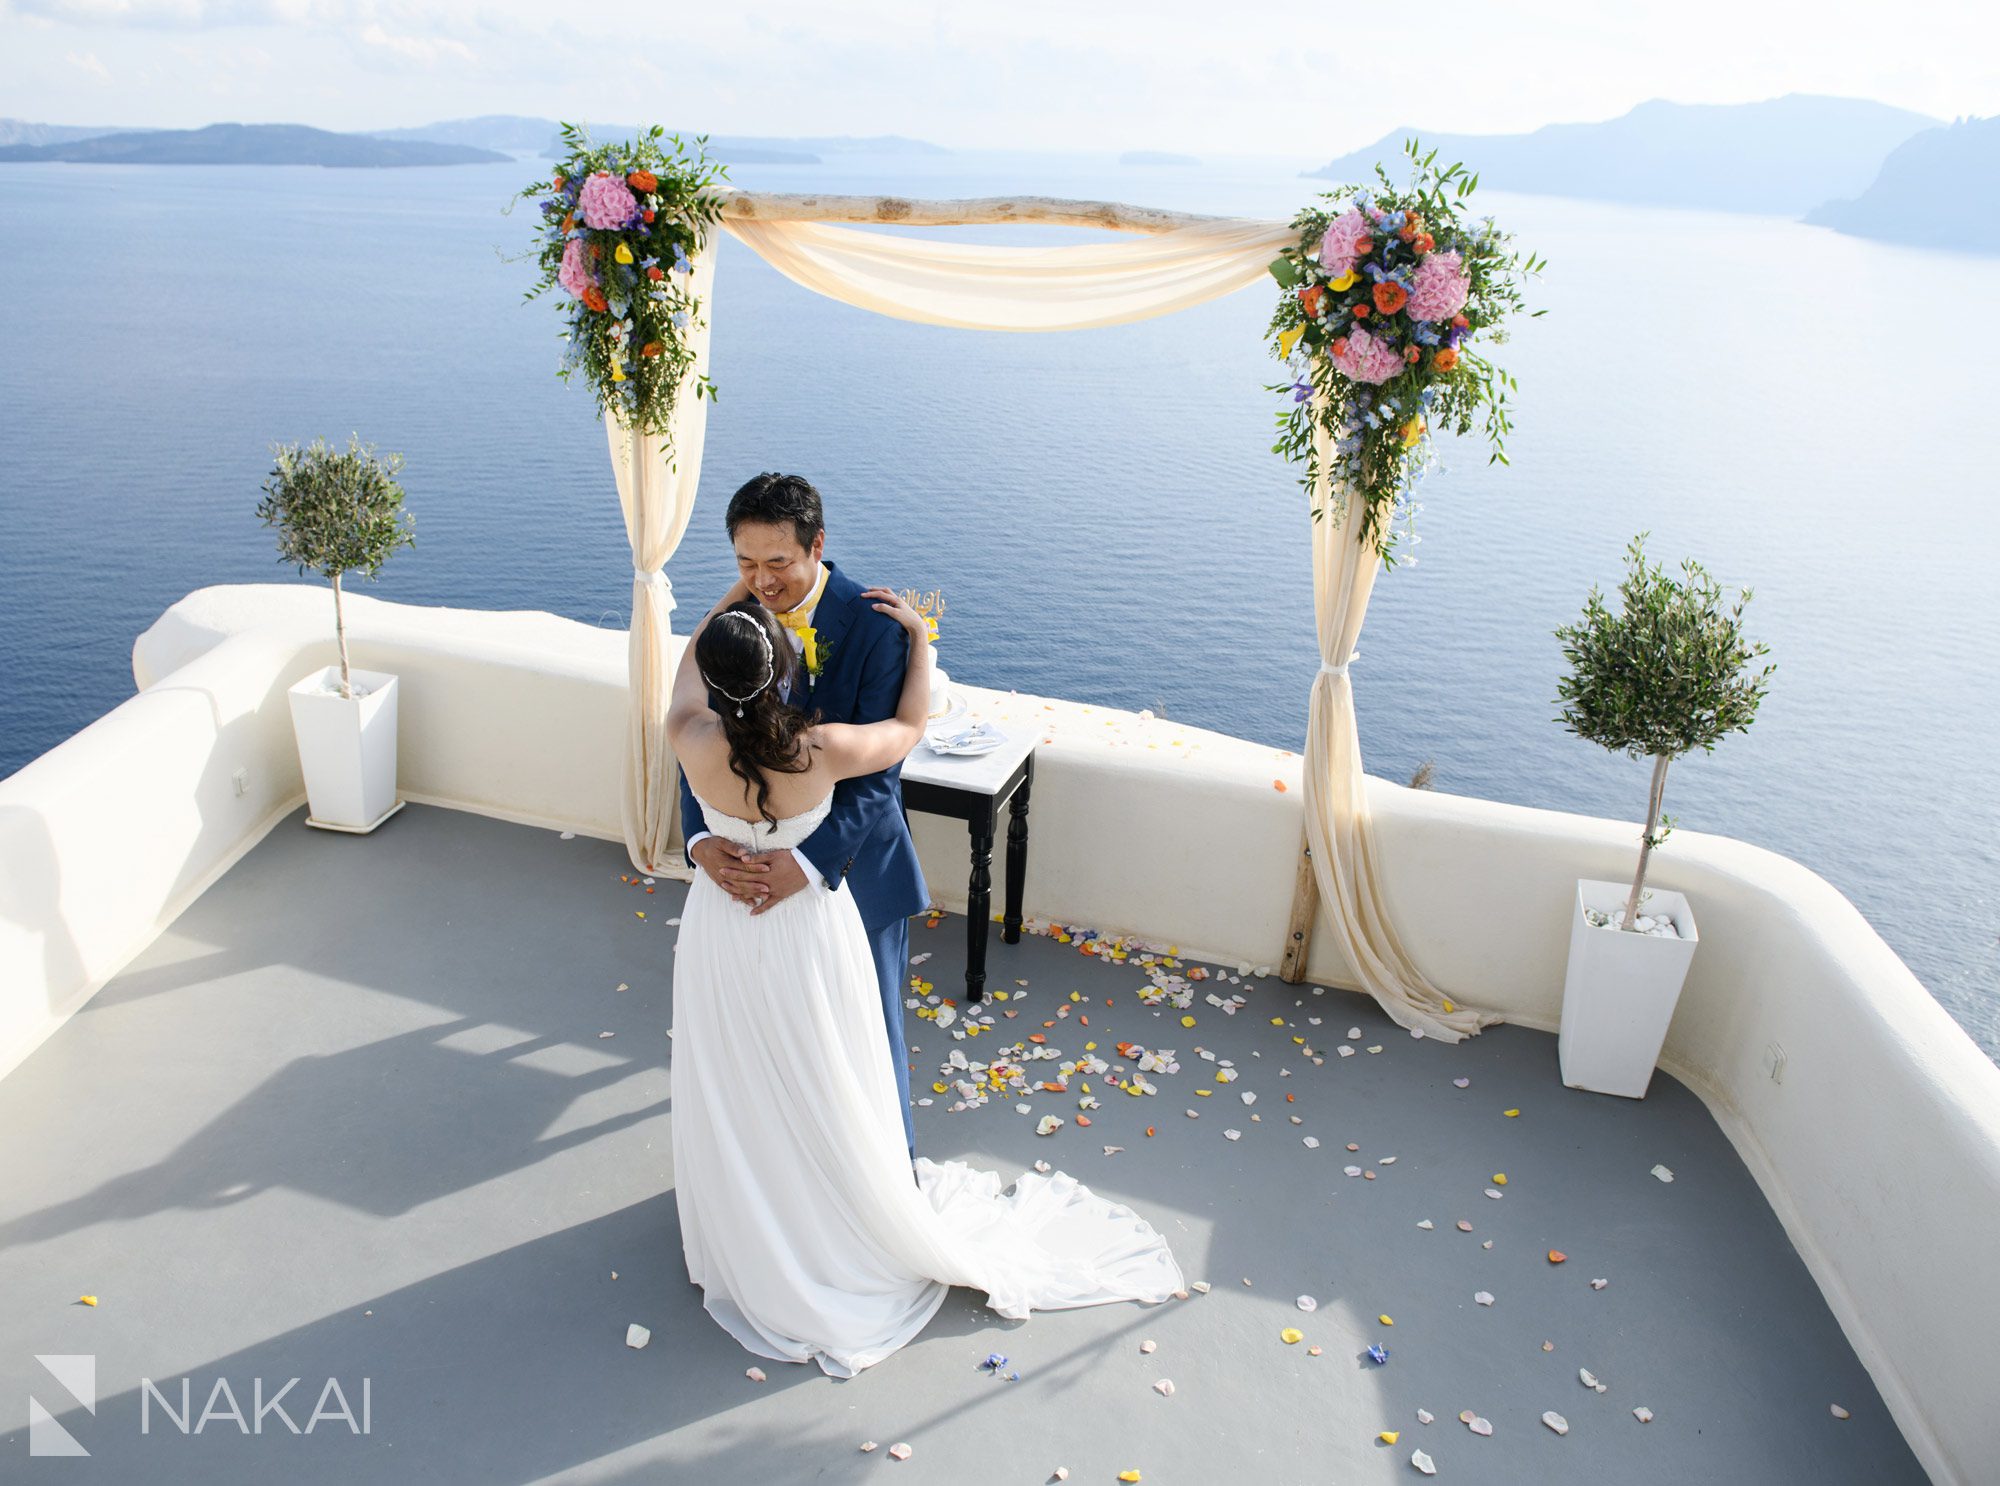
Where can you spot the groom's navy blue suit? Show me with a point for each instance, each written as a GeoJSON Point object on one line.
{"type": "Point", "coordinates": [864, 839]}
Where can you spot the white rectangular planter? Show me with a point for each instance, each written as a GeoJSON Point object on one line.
{"type": "Point", "coordinates": [347, 748]}
{"type": "Point", "coordinates": [1621, 989]}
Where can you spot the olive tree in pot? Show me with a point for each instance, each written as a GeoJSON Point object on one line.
{"type": "Point", "coordinates": [338, 512]}
{"type": "Point", "coordinates": [1667, 675]}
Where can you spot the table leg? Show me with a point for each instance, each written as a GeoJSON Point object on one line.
{"type": "Point", "coordinates": [1017, 861]}
{"type": "Point", "coordinates": [979, 906]}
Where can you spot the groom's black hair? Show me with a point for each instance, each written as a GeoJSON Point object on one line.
{"type": "Point", "coordinates": [775, 499]}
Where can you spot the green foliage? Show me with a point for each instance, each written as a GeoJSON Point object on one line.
{"type": "Point", "coordinates": [1665, 675]}
{"type": "Point", "coordinates": [336, 510]}
{"type": "Point", "coordinates": [1380, 436]}
{"type": "Point", "coordinates": [629, 336]}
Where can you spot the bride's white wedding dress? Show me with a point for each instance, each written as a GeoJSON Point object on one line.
{"type": "Point", "coordinates": [799, 1218]}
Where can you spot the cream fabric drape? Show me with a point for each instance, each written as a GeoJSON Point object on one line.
{"type": "Point", "coordinates": [1074, 287]}
{"type": "Point", "coordinates": [1337, 821]}
{"type": "Point", "coordinates": [657, 499]}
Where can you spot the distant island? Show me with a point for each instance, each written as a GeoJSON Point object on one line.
{"type": "Point", "coordinates": [250, 144]}
{"type": "Point", "coordinates": [485, 140]}
{"type": "Point", "coordinates": [1940, 189]}
{"type": "Point", "coordinates": [1155, 157]}
{"type": "Point", "coordinates": [1784, 156]}
{"type": "Point", "coordinates": [22, 131]}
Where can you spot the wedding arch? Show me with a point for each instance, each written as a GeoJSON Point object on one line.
{"type": "Point", "coordinates": [1169, 261]}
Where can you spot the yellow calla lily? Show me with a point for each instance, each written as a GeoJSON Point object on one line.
{"type": "Point", "coordinates": [1412, 431]}
{"type": "Point", "coordinates": [811, 637]}
{"type": "Point", "coordinates": [617, 371]}
{"type": "Point", "coordinates": [623, 253]}
{"type": "Point", "coordinates": [1342, 284]}
{"type": "Point", "coordinates": [1290, 339]}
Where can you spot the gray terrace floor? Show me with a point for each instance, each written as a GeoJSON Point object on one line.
{"type": "Point", "coordinates": [353, 1117]}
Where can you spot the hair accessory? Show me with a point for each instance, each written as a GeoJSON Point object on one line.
{"type": "Point", "coordinates": [770, 663]}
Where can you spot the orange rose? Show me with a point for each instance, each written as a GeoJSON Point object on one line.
{"type": "Point", "coordinates": [1359, 311]}
{"type": "Point", "coordinates": [656, 274]}
{"type": "Point", "coordinates": [1309, 298]}
{"type": "Point", "coordinates": [1340, 346]}
{"type": "Point", "coordinates": [1390, 297]}
{"type": "Point", "coordinates": [1444, 358]}
{"type": "Point", "coordinates": [1425, 243]}
{"type": "Point", "coordinates": [1460, 321]}
{"type": "Point", "coordinates": [1363, 246]}
{"type": "Point", "coordinates": [1406, 232]}
{"type": "Point", "coordinates": [642, 180]}
{"type": "Point", "coordinates": [594, 298]}
{"type": "Point", "coordinates": [651, 348]}
{"type": "Point", "coordinates": [593, 252]}
{"type": "Point", "coordinates": [1410, 354]}
{"type": "Point", "coordinates": [647, 215]}
{"type": "Point", "coordinates": [557, 185]}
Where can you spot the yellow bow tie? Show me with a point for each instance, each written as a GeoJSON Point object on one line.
{"type": "Point", "coordinates": [796, 619]}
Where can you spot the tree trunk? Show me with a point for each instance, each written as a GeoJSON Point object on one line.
{"type": "Point", "coordinates": [1655, 798]}
{"type": "Point", "coordinates": [340, 630]}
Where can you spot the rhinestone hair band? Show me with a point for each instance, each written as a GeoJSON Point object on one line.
{"type": "Point", "coordinates": [770, 662]}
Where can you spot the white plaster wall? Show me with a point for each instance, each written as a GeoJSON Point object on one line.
{"type": "Point", "coordinates": [1880, 1150]}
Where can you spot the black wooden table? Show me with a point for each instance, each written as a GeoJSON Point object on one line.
{"type": "Point", "coordinates": [974, 790]}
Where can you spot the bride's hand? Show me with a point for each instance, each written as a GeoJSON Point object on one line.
{"type": "Point", "coordinates": [890, 603]}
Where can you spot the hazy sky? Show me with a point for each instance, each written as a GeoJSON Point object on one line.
{"type": "Point", "coordinates": [1241, 76]}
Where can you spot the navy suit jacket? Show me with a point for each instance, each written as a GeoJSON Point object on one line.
{"type": "Point", "coordinates": [864, 838]}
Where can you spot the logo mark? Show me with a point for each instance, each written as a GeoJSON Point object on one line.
{"type": "Point", "coordinates": [77, 1372]}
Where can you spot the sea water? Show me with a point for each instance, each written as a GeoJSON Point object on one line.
{"type": "Point", "coordinates": [1799, 411]}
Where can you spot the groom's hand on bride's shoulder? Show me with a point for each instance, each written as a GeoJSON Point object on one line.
{"type": "Point", "coordinates": [732, 868]}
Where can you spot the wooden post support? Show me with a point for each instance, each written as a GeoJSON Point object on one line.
{"type": "Point", "coordinates": [1299, 932]}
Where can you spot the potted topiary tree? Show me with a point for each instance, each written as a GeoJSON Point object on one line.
{"type": "Point", "coordinates": [336, 512]}
{"type": "Point", "coordinates": [1665, 676]}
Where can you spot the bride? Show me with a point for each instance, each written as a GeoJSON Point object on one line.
{"type": "Point", "coordinates": [798, 1216]}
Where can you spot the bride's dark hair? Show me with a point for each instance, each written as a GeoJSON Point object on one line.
{"type": "Point", "coordinates": [743, 666]}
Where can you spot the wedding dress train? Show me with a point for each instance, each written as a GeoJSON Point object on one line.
{"type": "Point", "coordinates": [799, 1219]}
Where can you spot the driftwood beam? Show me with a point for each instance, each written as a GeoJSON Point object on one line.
{"type": "Point", "coordinates": [773, 206]}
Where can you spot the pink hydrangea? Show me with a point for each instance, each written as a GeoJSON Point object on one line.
{"type": "Point", "coordinates": [605, 201]}
{"type": "Point", "coordinates": [1366, 359]}
{"type": "Point", "coordinates": [1439, 287]}
{"type": "Point", "coordinates": [575, 274]}
{"type": "Point", "coordinates": [1339, 249]}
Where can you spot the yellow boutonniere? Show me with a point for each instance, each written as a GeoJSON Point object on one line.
{"type": "Point", "coordinates": [811, 638]}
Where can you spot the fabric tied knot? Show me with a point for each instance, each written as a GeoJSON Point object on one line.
{"type": "Point", "coordinates": [655, 578]}
{"type": "Point", "coordinates": [1328, 668]}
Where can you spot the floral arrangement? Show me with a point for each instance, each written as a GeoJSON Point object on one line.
{"type": "Point", "coordinates": [621, 225]}
{"type": "Point", "coordinates": [1383, 293]}
{"type": "Point", "coordinates": [930, 605]}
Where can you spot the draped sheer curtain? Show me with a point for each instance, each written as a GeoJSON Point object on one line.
{"type": "Point", "coordinates": [1339, 830]}
{"type": "Point", "coordinates": [1069, 287]}
{"type": "Point", "coordinates": [656, 495]}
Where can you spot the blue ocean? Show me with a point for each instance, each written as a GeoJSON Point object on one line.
{"type": "Point", "coordinates": [1101, 509]}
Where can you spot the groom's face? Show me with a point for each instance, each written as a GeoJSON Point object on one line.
{"type": "Point", "coordinates": [779, 571]}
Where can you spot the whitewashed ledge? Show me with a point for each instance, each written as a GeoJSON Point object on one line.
{"type": "Point", "coordinates": [1880, 1151]}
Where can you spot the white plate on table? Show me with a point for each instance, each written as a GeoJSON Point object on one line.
{"type": "Point", "coordinates": [965, 742]}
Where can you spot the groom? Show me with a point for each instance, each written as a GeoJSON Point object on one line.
{"type": "Point", "coordinates": [854, 662]}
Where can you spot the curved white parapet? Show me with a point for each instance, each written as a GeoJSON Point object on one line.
{"type": "Point", "coordinates": [1879, 1150]}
